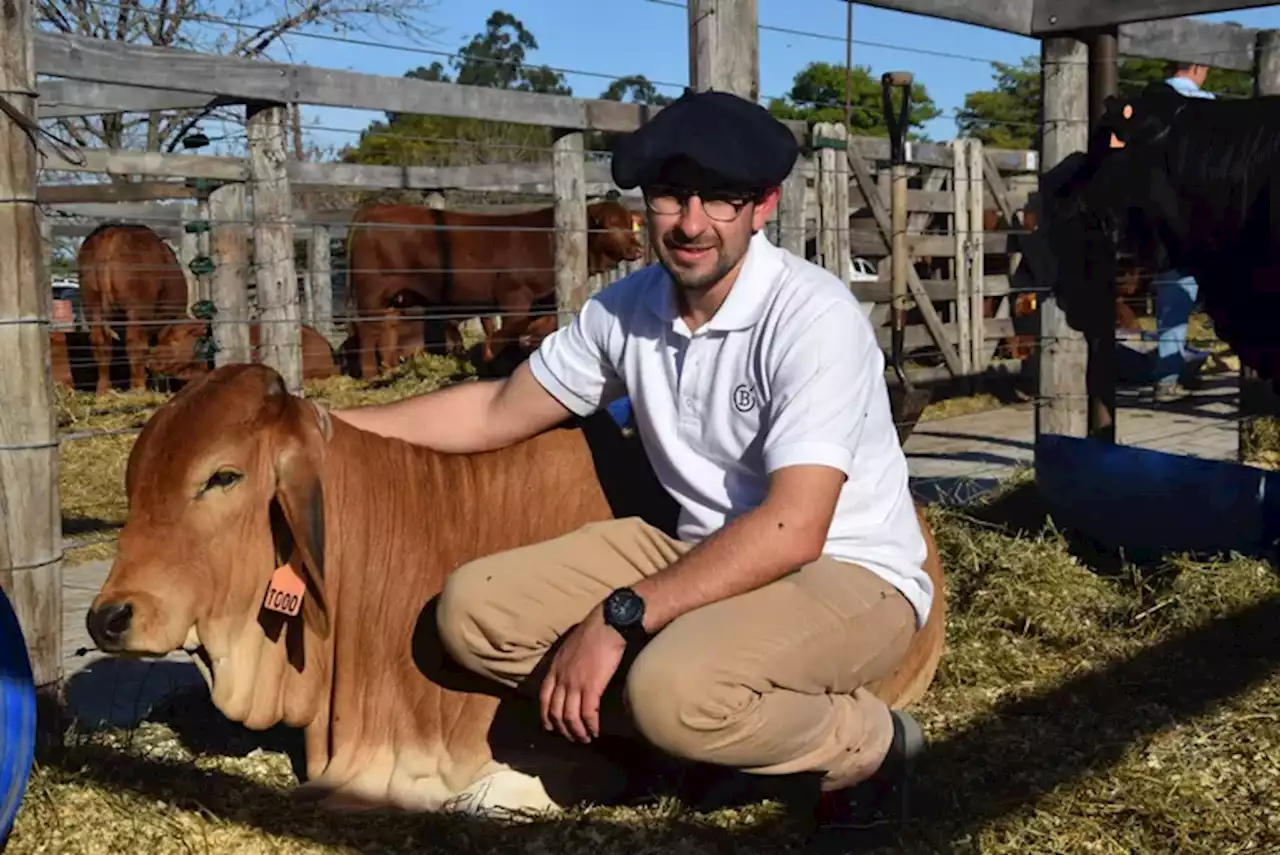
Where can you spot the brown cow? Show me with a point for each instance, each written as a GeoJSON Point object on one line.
{"type": "Point", "coordinates": [468, 262]}
{"type": "Point", "coordinates": [60, 361]}
{"type": "Point", "coordinates": [233, 475]}
{"type": "Point", "coordinates": [174, 353]}
{"type": "Point", "coordinates": [127, 273]}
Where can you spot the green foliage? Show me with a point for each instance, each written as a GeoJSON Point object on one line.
{"type": "Point", "coordinates": [1008, 115]}
{"type": "Point", "coordinates": [641, 91]}
{"type": "Point", "coordinates": [818, 94]}
{"type": "Point", "coordinates": [495, 58]}
{"type": "Point", "coordinates": [640, 88]}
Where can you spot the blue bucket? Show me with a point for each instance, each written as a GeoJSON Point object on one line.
{"type": "Point", "coordinates": [1140, 499]}
{"type": "Point", "coordinates": [17, 717]}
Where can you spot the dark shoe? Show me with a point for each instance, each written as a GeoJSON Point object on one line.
{"type": "Point", "coordinates": [882, 798]}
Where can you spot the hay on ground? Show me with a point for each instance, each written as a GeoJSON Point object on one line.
{"type": "Point", "coordinates": [1074, 711]}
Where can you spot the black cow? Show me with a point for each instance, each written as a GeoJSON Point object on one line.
{"type": "Point", "coordinates": [1193, 186]}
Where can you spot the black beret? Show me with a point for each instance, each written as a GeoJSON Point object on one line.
{"type": "Point", "coordinates": [720, 132]}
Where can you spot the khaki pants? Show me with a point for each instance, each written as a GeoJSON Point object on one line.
{"type": "Point", "coordinates": [768, 682]}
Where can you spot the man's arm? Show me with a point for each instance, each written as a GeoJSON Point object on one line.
{"type": "Point", "coordinates": [786, 531]}
{"type": "Point", "coordinates": [467, 417]}
{"type": "Point", "coordinates": [568, 374]}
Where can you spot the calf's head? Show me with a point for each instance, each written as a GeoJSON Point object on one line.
{"type": "Point", "coordinates": [611, 235]}
{"type": "Point", "coordinates": [224, 486]}
{"type": "Point", "coordinates": [177, 351]}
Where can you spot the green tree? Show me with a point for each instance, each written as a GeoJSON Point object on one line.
{"type": "Point", "coordinates": [640, 88]}
{"type": "Point", "coordinates": [817, 95]}
{"type": "Point", "coordinates": [641, 91]}
{"type": "Point", "coordinates": [496, 58]}
{"type": "Point", "coordinates": [1008, 114]}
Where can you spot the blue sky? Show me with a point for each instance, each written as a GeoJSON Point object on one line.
{"type": "Point", "coordinates": [602, 39]}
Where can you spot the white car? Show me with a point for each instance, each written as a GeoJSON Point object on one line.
{"type": "Point", "coordinates": [863, 270]}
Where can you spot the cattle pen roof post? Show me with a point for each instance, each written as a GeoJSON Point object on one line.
{"type": "Point", "coordinates": [1256, 398]}
{"type": "Point", "coordinates": [1100, 372]}
{"type": "Point", "coordinates": [1063, 355]}
{"type": "Point", "coordinates": [31, 550]}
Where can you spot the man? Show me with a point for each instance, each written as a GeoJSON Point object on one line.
{"type": "Point", "coordinates": [1177, 366]}
{"type": "Point", "coordinates": [758, 390]}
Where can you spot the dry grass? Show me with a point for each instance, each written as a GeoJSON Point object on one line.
{"type": "Point", "coordinates": [1075, 711]}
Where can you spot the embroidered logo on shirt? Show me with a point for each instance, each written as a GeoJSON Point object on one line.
{"type": "Point", "coordinates": [744, 398]}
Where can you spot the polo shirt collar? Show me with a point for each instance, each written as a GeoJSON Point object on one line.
{"type": "Point", "coordinates": [745, 304]}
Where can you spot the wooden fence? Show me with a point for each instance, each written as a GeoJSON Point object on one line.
{"type": "Point", "coordinates": [834, 211]}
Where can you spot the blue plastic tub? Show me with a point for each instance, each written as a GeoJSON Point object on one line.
{"type": "Point", "coordinates": [17, 717]}
{"type": "Point", "coordinates": [1139, 499]}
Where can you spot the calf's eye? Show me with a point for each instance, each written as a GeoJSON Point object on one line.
{"type": "Point", "coordinates": [223, 478]}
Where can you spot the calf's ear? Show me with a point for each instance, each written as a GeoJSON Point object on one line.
{"type": "Point", "coordinates": [300, 494]}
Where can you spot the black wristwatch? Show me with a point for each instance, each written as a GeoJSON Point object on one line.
{"type": "Point", "coordinates": [624, 611]}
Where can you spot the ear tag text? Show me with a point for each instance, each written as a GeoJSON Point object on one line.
{"type": "Point", "coordinates": [285, 591]}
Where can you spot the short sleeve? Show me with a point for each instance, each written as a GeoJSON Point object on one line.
{"type": "Point", "coordinates": [822, 388]}
{"type": "Point", "coordinates": [573, 363]}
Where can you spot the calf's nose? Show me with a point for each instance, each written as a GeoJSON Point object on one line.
{"type": "Point", "coordinates": [108, 624]}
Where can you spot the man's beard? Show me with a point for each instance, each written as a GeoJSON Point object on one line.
{"type": "Point", "coordinates": [691, 280]}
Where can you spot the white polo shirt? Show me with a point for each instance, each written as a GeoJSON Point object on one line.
{"type": "Point", "coordinates": [786, 372]}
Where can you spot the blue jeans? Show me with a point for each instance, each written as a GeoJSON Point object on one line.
{"type": "Point", "coordinates": [1175, 296]}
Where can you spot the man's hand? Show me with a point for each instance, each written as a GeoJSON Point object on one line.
{"type": "Point", "coordinates": [581, 669]}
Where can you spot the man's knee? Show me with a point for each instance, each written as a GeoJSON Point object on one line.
{"type": "Point", "coordinates": [460, 608]}
{"type": "Point", "coordinates": [685, 706]}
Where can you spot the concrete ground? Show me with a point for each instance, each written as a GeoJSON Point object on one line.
{"type": "Point", "coordinates": [950, 459]}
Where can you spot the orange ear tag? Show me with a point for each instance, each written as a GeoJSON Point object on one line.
{"type": "Point", "coordinates": [285, 591]}
{"type": "Point", "coordinates": [1128, 114]}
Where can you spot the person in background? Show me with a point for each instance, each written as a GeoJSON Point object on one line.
{"type": "Point", "coordinates": [1177, 366]}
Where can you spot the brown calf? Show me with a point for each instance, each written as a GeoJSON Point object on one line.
{"type": "Point", "coordinates": [466, 263]}
{"type": "Point", "coordinates": [174, 353]}
{"type": "Point", "coordinates": [127, 273]}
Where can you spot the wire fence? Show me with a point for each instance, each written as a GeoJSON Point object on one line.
{"type": "Point", "coordinates": [81, 355]}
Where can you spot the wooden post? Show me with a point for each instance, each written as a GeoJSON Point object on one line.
{"type": "Point", "coordinates": [825, 141]}
{"type": "Point", "coordinates": [319, 269]}
{"type": "Point", "coordinates": [840, 174]}
{"type": "Point", "coordinates": [230, 286]}
{"type": "Point", "coordinates": [569, 185]}
{"type": "Point", "coordinates": [204, 246]}
{"type": "Point", "coordinates": [46, 242]}
{"type": "Point", "coordinates": [791, 217]}
{"type": "Point", "coordinates": [724, 47]}
{"type": "Point", "coordinates": [188, 249]}
{"type": "Point", "coordinates": [31, 548]}
{"type": "Point", "coordinates": [1062, 355]}
{"type": "Point", "coordinates": [1100, 379]}
{"type": "Point", "coordinates": [980, 355]}
{"type": "Point", "coordinates": [964, 320]}
{"type": "Point", "coordinates": [273, 253]}
{"type": "Point", "coordinates": [1256, 398]}
{"type": "Point", "coordinates": [831, 141]}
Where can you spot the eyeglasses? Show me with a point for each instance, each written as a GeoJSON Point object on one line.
{"type": "Point", "coordinates": [717, 204]}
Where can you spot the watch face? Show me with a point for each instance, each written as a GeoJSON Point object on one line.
{"type": "Point", "coordinates": [625, 608]}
